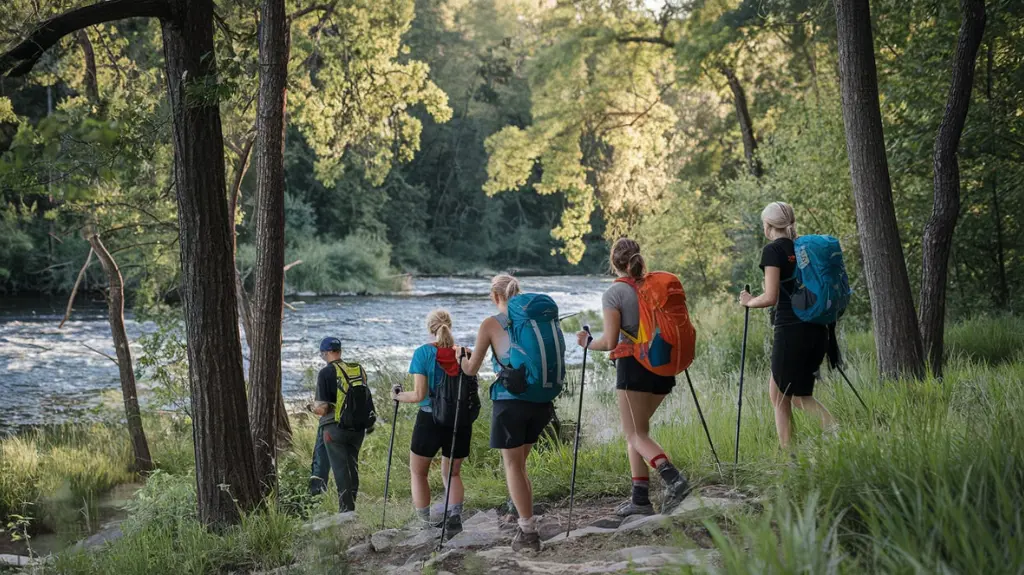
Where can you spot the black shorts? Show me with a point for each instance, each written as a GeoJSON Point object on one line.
{"type": "Point", "coordinates": [515, 423]}
{"type": "Point", "coordinates": [630, 375]}
{"type": "Point", "coordinates": [797, 352]}
{"type": "Point", "coordinates": [428, 438]}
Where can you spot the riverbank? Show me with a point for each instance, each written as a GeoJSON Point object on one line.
{"type": "Point", "coordinates": [896, 489]}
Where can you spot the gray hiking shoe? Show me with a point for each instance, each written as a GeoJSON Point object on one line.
{"type": "Point", "coordinates": [627, 509]}
{"type": "Point", "coordinates": [454, 526]}
{"type": "Point", "coordinates": [523, 540]}
{"type": "Point", "coordinates": [675, 493]}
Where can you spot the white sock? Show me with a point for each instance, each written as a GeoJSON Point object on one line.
{"type": "Point", "coordinates": [528, 525]}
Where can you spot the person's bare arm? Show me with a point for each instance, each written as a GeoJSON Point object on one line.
{"type": "Point", "coordinates": [609, 338]}
{"type": "Point", "coordinates": [772, 285]}
{"type": "Point", "coordinates": [417, 394]}
{"type": "Point", "coordinates": [471, 365]}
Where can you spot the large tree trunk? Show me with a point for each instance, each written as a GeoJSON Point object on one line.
{"type": "Point", "coordinates": [115, 309]}
{"type": "Point", "coordinates": [938, 234]}
{"type": "Point", "coordinates": [268, 299]}
{"type": "Point", "coordinates": [897, 339]}
{"type": "Point", "coordinates": [746, 124]}
{"type": "Point", "coordinates": [225, 472]}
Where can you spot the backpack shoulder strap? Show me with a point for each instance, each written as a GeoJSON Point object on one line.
{"type": "Point", "coordinates": [636, 289]}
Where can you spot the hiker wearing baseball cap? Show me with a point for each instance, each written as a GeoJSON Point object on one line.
{"type": "Point", "coordinates": [346, 412]}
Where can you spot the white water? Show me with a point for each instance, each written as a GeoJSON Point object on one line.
{"type": "Point", "coordinates": [48, 375]}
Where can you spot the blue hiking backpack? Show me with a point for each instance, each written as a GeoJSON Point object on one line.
{"type": "Point", "coordinates": [822, 288]}
{"type": "Point", "coordinates": [536, 367]}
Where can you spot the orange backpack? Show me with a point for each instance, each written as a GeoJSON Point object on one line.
{"type": "Point", "coordinates": [665, 341]}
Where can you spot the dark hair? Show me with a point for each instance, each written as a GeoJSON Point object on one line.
{"type": "Point", "coordinates": [626, 258]}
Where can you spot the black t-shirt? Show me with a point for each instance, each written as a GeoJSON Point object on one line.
{"type": "Point", "coordinates": [327, 390]}
{"type": "Point", "coordinates": [782, 254]}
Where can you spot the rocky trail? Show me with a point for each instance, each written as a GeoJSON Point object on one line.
{"type": "Point", "coordinates": [600, 543]}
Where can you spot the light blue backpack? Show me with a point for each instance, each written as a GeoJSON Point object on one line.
{"type": "Point", "coordinates": [536, 369]}
{"type": "Point", "coordinates": [822, 288]}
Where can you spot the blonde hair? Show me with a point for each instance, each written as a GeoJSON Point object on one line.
{"type": "Point", "coordinates": [779, 218]}
{"type": "Point", "coordinates": [625, 258]}
{"type": "Point", "coordinates": [439, 324]}
{"type": "Point", "coordinates": [504, 287]}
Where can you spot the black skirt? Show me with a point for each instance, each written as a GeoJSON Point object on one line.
{"type": "Point", "coordinates": [797, 352]}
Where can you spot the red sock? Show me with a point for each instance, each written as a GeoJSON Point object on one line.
{"type": "Point", "coordinates": [657, 459]}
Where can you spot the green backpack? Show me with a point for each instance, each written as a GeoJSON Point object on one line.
{"type": "Point", "coordinates": [353, 408]}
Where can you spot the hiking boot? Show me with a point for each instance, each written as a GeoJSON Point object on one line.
{"type": "Point", "coordinates": [675, 493]}
{"type": "Point", "coordinates": [627, 509]}
{"type": "Point", "coordinates": [523, 540]}
{"type": "Point", "coordinates": [454, 526]}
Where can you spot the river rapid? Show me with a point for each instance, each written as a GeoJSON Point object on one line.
{"type": "Point", "coordinates": [50, 374]}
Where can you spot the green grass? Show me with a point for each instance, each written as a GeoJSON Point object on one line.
{"type": "Point", "coordinates": [928, 480]}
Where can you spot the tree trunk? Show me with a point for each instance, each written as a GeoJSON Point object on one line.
{"type": "Point", "coordinates": [897, 339]}
{"type": "Point", "coordinates": [1002, 297]}
{"type": "Point", "coordinates": [92, 90]}
{"type": "Point", "coordinates": [746, 124]}
{"type": "Point", "coordinates": [225, 471]}
{"type": "Point", "coordinates": [938, 233]}
{"type": "Point", "coordinates": [268, 298]}
{"type": "Point", "coordinates": [115, 308]}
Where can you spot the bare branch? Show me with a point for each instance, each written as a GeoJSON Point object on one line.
{"type": "Point", "coordinates": [661, 41]}
{"type": "Point", "coordinates": [104, 354]}
{"type": "Point", "coordinates": [291, 265]}
{"type": "Point", "coordinates": [310, 9]}
{"type": "Point", "coordinates": [74, 289]}
{"type": "Point", "coordinates": [20, 60]}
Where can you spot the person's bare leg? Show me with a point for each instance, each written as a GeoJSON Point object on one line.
{"type": "Point", "coordinates": [419, 467]}
{"type": "Point", "coordinates": [519, 487]}
{"type": "Point", "coordinates": [813, 406]}
{"type": "Point", "coordinates": [635, 411]}
{"type": "Point", "coordinates": [783, 413]}
{"type": "Point", "coordinates": [637, 466]}
{"type": "Point", "coordinates": [457, 490]}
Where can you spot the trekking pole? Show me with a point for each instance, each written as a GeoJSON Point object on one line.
{"type": "Point", "coordinates": [850, 383]}
{"type": "Point", "coordinates": [743, 362]}
{"type": "Point", "coordinates": [703, 421]}
{"type": "Point", "coordinates": [579, 424]}
{"type": "Point", "coordinates": [391, 447]}
{"type": "Point", "coordinates": [451, 458]}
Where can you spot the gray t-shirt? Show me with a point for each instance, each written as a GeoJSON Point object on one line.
{"type": "Point", "coordinates": [621, 296]}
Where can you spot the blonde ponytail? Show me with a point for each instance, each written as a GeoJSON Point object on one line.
{"type": "Point", "coordinates": [504, 287]}
{"type": "Point", "coordinates": [780, 220]}
{"type": "Point", "coordinates": [439, 324]}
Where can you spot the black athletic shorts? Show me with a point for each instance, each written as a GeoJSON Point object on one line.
{"type": "Point", "coordinates": [428, 438]}
{"type": "Point", "coordinates": [797, 352]}
{"type": "Point", "coordinates": [515, 422]}
{"type": "Point", "coordinates": [630, 375]}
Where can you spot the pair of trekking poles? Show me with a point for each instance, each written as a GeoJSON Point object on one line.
{"type": "Point", "coordinates": [836, 364]}
{"type": "Point", "coordinates": [451, 460]}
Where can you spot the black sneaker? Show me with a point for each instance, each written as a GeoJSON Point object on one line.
{"type": "Point", "coordinates": [454, 526]}
{"type": "Point", "coordinates": [523, 540]}
{"type": "Point", "coordinates": [627, 509]}
{"type": "Point", "coordinates": [675, 493]}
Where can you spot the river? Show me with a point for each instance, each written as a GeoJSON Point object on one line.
{"type": "Point", "coordinates": [50, 374]}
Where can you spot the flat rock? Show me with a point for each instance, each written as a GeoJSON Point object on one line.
{"type": "Point", "coordinates": [482, 518]}
{"type": "Point", "coordinates": [608, 522]}
{"type": "Point", "coordinates": [17, 560]}
{"type": "Point", "coordinates": [548, 528]}
{"type": "Point", "coordinates": [644, 523]}
{"type": "Point", "coordinates": [102, 537]}
{"type": "Point", "coordinates": [697, 503]}
{"type": "Point", "coordinates": [477, 536]}
{"type": "Point", "coordinates": [644, 551]}
{"type": "Point", "coordinates": [357, 551]}
{"type": "Point", "coordinates": [640, 560]}
{"type": "Point", "coordinates": [382, 541]}
{"type": "Point", "coordinates": [581, 532]}
{"type": "Point", "coordinates": [332, 520]}
{"type": "Point", "coordinates": [419, 540]}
